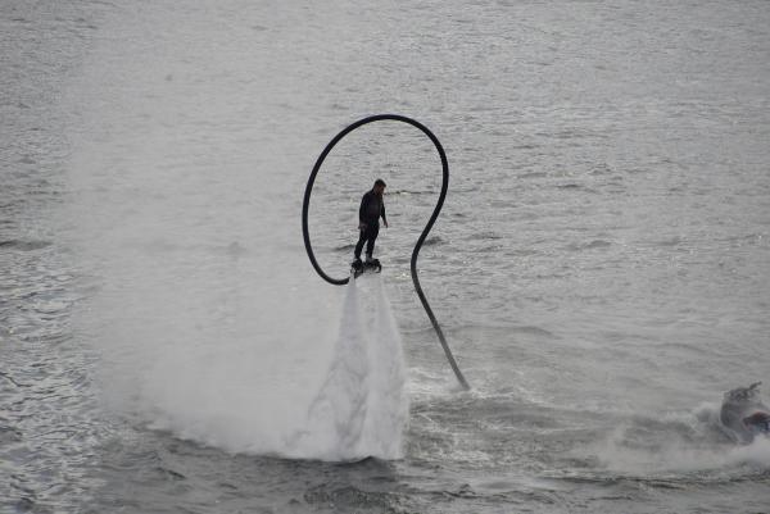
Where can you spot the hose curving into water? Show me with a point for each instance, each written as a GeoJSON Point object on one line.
{"type": "Point", "coordinates": [420, 240]}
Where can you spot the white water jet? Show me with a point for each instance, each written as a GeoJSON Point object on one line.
{"type": "Point", "coordinates": [361, 410]}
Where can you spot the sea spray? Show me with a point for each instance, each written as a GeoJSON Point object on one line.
{"type": "Point", "coordinates": [361, 409]}
{"type": "Point", "coordinates": [675, 443]}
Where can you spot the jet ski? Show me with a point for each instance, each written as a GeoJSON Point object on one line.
{"type": "Point", "coordinates": [744, 415]}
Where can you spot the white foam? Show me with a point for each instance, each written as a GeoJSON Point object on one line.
{"type": "Point", "coordinates": [676, 454]}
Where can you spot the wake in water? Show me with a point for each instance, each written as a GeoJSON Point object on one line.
{"type": "Point", "coordinates": [691, 442]}
{"type": "Point", "coordinates": [361, 409]}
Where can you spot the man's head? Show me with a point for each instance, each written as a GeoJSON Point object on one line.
{"type": "Point", "coordinates": [379, 186]}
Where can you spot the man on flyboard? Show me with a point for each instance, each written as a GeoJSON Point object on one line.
{"type": "Point", "coordinates": [372, 208]}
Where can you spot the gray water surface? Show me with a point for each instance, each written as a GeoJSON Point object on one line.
{"type": "Point", "coordinates": [601, 267]}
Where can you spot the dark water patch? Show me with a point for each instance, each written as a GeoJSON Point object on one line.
{"type": "Point", "coordinates": [25, 504]}
{"type": "Point", "coordinates": [533, 174]}
{"type": "Point", "coordinates": [668, 243]}
{"type": "Point", "coordinates": [349, 498]}
{"type": "Point", "coordinates": [570, 185]}
{"type": "Point", "coordinates": [522, 252]}
{"type": "Point", "coordinates": [24, 246]}
{"type": "Point", "coordinates": [590, 245]}
{"type": "Point", "coordinates": [11, 205]}
{"type": "Point", "coordinates": [489, 249]}
{"type": "Point", "coordinates": [463, 491]}
{"type": "Point", "coordinates": [9, 435]}
{"type": "Point", "coordinates": [658, 481]}
{"type": "Point", "coordinates": [567, 135]}
{"type": "Point", "coordinates": [12, 380]}
{"type": "Point", "coordinates": [170, 473]}
{"type": "Point", "coordinates": [234, 249]}
{"type": "Point", "coordinates": [680, 347]}
{"type": "Point", "coordinates": [400, 259]}
{"type": "Point", "coordinates": [434, 241]}
{"type": "Point", "coordinates": [501, 331]}
{"type": "Point", "coordinates": [484, 236]}
{"type": "Point", "coordinates": [576, 188]}
{"type": "Point", "coordinates": [466, 498]}
{"type": "Point", "coordinates": [752, 239]}
{"type": "Point", "coordinates": [346, 248]}
{"type": "Point", "coordinates": [411, 192]}
{"type": "Point", "coordinates": [602, 169]}
{"type": "Point", "coordinates": [464, 190]}
{"type": "Point", "coordinates": [525, 146]}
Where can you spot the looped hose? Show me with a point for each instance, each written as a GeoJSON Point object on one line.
{"type": "Point", "coordinates": [420, 241]}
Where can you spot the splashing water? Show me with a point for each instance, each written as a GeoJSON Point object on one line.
{"type": "Point", "coordinates": [361, 409]}
{"type": "Point", "coordinates": [274, 381]}
{"type": "Point", "coordinates": [209, 322]}
{"type": "Point", "coordinates": [692, 442]}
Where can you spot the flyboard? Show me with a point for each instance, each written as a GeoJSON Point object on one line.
{"type": "Point", "coordinates": [359, 267]}
{"type": "Point", "coordinates": [415, 253]}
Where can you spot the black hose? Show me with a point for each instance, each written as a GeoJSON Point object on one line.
{"type": "Point", "coordinates": [420, 241]}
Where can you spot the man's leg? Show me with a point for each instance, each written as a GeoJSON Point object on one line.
{"type": "Point", "coordinates": [360, 245]}
{"type": "Point", "coordinates": [373, 232]}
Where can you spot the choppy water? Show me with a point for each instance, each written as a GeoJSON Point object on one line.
{"type": "Point", "coordinates": [601, 267]}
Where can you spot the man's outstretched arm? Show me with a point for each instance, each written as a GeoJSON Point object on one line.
{"type": "Point", "coordinates": [384, 219]}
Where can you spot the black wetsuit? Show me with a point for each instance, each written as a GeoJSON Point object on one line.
{"type": "Point", "coordinates": [372, 207]}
